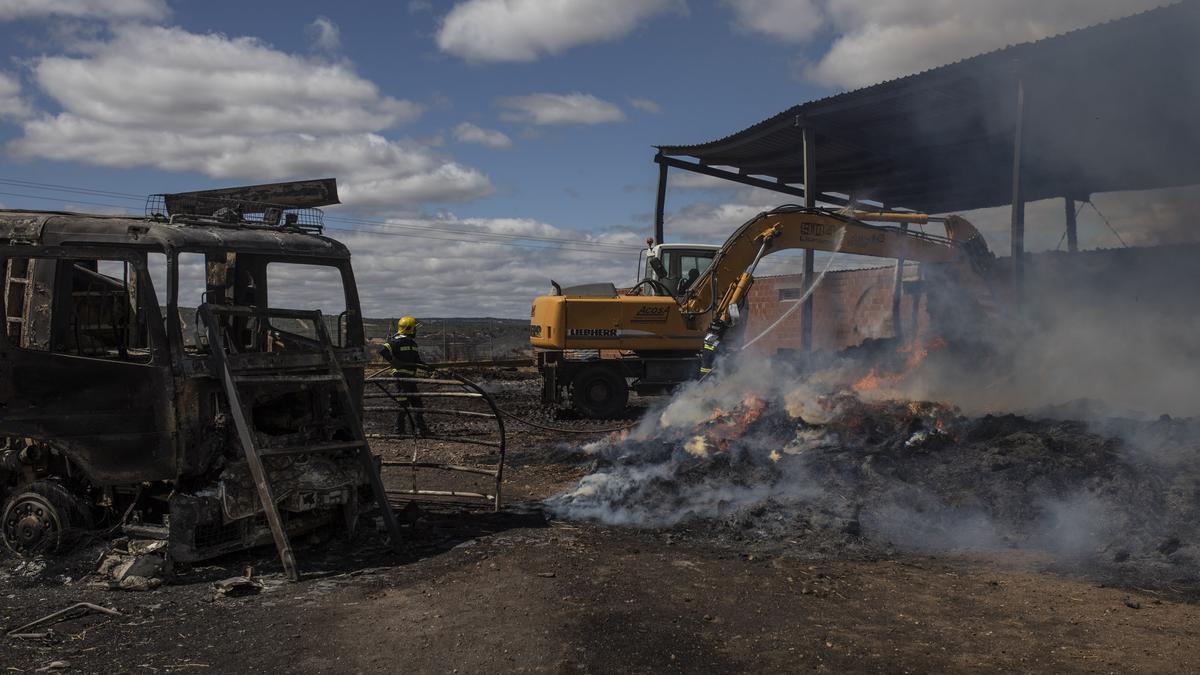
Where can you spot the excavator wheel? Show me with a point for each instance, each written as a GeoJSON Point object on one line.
{"type": "Point", "coordinates": [41, 518]}
{"type": "Point", "coordinates": [599, 392]}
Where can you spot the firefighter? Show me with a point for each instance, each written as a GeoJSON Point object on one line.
{"type": "Point", "coordinates": [401, 352]}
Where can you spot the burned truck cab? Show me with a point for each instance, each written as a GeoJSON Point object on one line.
{"type": "Point", "coordinates": [113, 410]}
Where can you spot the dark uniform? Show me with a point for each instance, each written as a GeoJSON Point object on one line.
{"type": "Point", "coordinates": [401, 352]}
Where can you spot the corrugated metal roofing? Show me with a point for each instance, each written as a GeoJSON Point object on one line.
{"type": "Point", "coordinates": [1111, 107]}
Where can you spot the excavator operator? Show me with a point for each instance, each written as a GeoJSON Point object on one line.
{"type": "Point", "coordinates": [401, 352]}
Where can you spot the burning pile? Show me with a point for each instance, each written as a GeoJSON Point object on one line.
{"type": "Point", "coordinates": [754, 458]}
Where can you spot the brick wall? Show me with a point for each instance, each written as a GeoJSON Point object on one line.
{"type": "Point", "coordinates": [848, 307]}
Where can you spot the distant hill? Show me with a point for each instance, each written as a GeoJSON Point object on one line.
{"type": "Point", "coordinates": [462, 339]}
{"type": "Point", "coordinates": [440, 339]}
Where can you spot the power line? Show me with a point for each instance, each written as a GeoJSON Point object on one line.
{"type": "Point", "coordinates": [61, 199]}
{"type": "Point", "coordinates": [428, 232]}
{"type": "Point", "coordinates": [513, 244]}
{"type": "Point", "coordinates": [475, 236]}
{"type": "Point", "coordinates": [624, 248]}
{"type": "Point", "coordinates": [1110, 225]}
{"type": "Point", "coordinates": [68, 188]}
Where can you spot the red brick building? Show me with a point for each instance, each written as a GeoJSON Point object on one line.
{"type": "Point", "coordinates": [849, 306]}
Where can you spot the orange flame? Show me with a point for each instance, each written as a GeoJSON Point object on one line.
{"type": "Point", "coordinates": [723, 427]}
{"type": "Point", "coordinates": [869, 382]}
{"type": "Point", "coordinates": [873, 380]}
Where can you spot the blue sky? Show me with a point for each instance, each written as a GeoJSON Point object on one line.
{"type": "Point", "coordinates": [482, 121]}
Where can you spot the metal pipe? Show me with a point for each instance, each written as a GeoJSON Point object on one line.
{"type": "Point", "coordinates": [61, 614]}
{"type": "Point", "coordinates": [443, 493]}
{"type": "Point", "coordinates": [430, 411]}
{"type": "Point", "coordinates": [896, 217]}
{"type": "Point", "coordinates": [444, 439]}
{"type": "Point", "coordinates": [445, 467]}
{"type": "Point", "coordinates": [418, 380]}
{"type": "Point", "coordinates": [437, 394]}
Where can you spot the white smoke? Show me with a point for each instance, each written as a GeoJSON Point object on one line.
{"type": "Point", "coordinates": [776, 453]}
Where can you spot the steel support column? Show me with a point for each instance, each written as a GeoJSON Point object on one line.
{"type": "Point", "coordinates": [898, 289]}
{"type": "Point", "coordinates": [810, 201]}
{"type": "Point", "coordinates": [660, 204]}
{"type": "Point", "coordinates": [1018, 197]}
{"type": "Point", "coordinates": [1072, 228]}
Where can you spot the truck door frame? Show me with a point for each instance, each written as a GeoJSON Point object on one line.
{"type": "Point", "coordinates": [114, 418]}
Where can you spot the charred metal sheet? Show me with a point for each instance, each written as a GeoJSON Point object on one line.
{"type": "Point", "coordinates": [36, 334]}
{"type": "Point", "coordinates": [103, 400]}
{"type": "Point", "coordinates": [296, 194]}
{"type": "Point", "coordinates": [82, 230]}
{"type": "Point", "coordinates": [299, 485]}
{"type": "Point", "coordinates": [22, 228]}
{"type": "Point", "coordinates": [110, 416]}
{"type": "Point", "coordinates": [6, 384]}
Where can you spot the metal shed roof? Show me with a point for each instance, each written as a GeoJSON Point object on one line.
{"type": "Point", "coordinates": [1111, 107]}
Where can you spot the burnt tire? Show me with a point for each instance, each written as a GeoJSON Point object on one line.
{"type": "Point", "coordinates": [599, 392]}
{"type": "Point", "coordinates": [42, 518]}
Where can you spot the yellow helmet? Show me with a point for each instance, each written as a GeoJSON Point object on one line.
{"type": "Point", "coordinates": [407, 325]}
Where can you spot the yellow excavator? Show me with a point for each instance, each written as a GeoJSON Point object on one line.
{"type": "Point", "coordinates": [594, 343]}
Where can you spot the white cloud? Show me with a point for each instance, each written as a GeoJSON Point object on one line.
{"type": "Point", "coordinates": [689, 180]}
{"type": "Point", "coordinates": [784, 20]}
{"type": "Point", "coordinates": [706, 223]}
{"type": "Point", "coordinates": [83, 9]}
{"type": "Point", "coordinates": [373, 171]}
{"type": "Point", "coordinates": [645, 105]}
{"type": "Point", "coordinates": [1140, 218]}
{"type": "Point", "coordinates": [547, 109]}
{"type": "Point", "coordinates": [472, 275]}
{"type": "Point", "coordinates": [325, 33]}
{"type": "Point", "coordinates": [235, 108]}
{"type": "Point", "coordinates": [12, 105]}
{"type": "Point", "coordinates": [210, 83]}
{"type": "Point", "coordinates": [876, 41]}
{"type": "Point", "coordinates": [470, 133]}
{"type": "Point", "coordinates": [524, 30]}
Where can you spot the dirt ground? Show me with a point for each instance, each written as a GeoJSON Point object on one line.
{"type": "Point", "coordinates": [518, 591]}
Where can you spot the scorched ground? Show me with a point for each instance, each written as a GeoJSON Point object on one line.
{"type": "Point", "coordinates": [765, 584]}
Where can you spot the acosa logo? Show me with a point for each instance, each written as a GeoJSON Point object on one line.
{"type": "Point", "coordinates": [651, 313]}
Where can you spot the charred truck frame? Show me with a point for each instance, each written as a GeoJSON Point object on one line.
{"type": "Point", "coordinates": [115, 403]}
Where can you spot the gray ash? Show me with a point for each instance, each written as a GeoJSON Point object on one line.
{"type": "Point", "coordinates": [838, 475]}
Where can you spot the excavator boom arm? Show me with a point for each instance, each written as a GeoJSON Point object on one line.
{"type": "Point", "coordinates": [796, 227]}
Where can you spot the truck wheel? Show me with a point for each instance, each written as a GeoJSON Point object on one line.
{"type": "Point", "coordinates": [599, 392]}
{"type": "Point", "coordinates": [41, 518]}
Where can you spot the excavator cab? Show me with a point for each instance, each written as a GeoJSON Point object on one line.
{"type": "Point", "coordinates": [673, 266]}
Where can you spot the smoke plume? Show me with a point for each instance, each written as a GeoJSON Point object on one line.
{"type": "Point", "coordinates": [782, 456]}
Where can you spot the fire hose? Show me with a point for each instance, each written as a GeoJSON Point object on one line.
{"type": "Point", "coordinates": [799, 303]}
